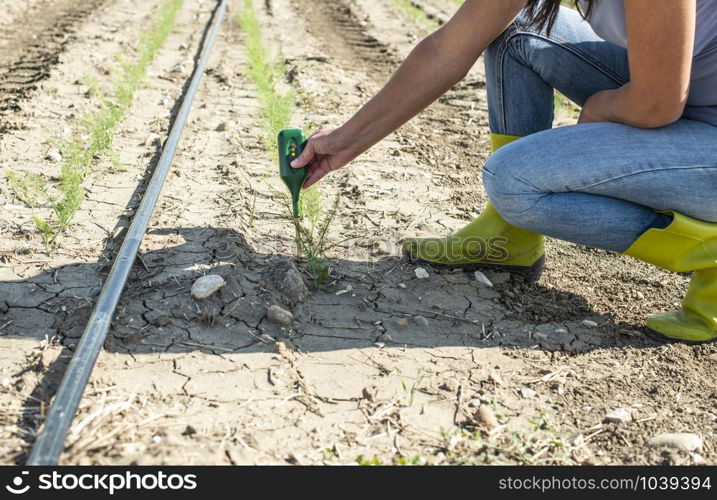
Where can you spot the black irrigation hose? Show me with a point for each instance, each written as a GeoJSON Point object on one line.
{"type": "Point", "coordinates": [50, 442]}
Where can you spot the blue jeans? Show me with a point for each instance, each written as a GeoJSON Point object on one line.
{"type": "Point", "coordinates": [596, 184]}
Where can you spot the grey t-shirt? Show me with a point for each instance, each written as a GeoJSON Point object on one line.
{"type": "Point", "coordinates": [608, 21]}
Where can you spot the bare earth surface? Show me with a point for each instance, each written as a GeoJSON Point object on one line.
{"type": "Point", "coordinates": [378, 365]}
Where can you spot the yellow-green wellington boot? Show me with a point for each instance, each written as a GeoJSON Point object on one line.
{"type": "Point", "coordinates": [489, 241]}
{"type": "Point", "coordinates": [685, 245]}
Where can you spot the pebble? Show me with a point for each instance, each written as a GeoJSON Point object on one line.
{"type": "Point", "coordinates": [619, 416]}
{"type": "Point", "coordinates": [527, 392]}
{"type": "Point", "coordinates": [561, 331]}
{"type": "Point", "coordinates": [206, 286]}
{"type": "Point", "coordinates": [486, 415]}
{"type": "Point", "coordinates": [540, 336]}
{"type": "Point", "coordinates": [679, 440]}
{"type": "Point", "coordinates": [709, 416]}
{"type": "Point", "coordinates": [179, 69]}
{"type": "Point", "coordinates": [482, 278]}
{"type": "Point", "coordinates": [345, 290]}
{"type": "Point", "coordinates": [420, 320]}
{"type": "Point", "coordinates": [151, 140]}
{"type": "Point", "coordinates": [280, 316]}
{"type": "Point", "coordinates": [402, 322]}
{"type": "Point", "coordinates": [421, 273]}
{"type": "Point", "coordinates": [4, 307]}
{"type": "Point", "coordinates": [495, 377]}
{"type": "Point", "coordinates": [158, 318]}
{"type": "Point", "coordinates": [589, 323]}
{"type": "Point", "coordinates": [54, 156]}
{"type": "Point", "coordinates": [402, 286]}
{"type": "Point", "coordinates": [380, 345]}
{"type": "Point", "coordinates": [267, 339]}
{"type": "Point", "coordinates": [225, 126]}
{"type": "Point", "coordinates": [293, 287]}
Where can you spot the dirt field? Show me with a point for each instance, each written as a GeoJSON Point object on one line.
{"type": "Point", "coordinates": [378, 366]}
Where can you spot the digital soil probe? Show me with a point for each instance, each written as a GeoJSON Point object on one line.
{"type": "Point", "coordinates": [291, 143]}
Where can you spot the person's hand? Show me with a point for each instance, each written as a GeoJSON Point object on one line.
{"type": "Point", "coordinates": [324, 152]}
{"type": "Point", "coordinates": [594, 109]}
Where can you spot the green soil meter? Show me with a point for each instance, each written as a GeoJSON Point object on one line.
{"type": "Point", "coordinates": [291, 144]}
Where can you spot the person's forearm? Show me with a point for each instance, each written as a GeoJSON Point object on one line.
{"type": "Point", "coordinates": [630, 106]}
{"type": "Point", "coordinates": [424, 76]}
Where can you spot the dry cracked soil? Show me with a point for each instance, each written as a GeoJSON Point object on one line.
{"type": "Point", "coordinates": [377, 366]}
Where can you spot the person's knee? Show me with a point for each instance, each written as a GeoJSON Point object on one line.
{"type": "Point", "coordinates": [507, 187]}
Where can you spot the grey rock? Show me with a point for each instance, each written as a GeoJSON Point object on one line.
{"type": "Point", "coordinates": [280, 316]}
{"type": "Point", "coordinates": [679, 440]}
{"type": "Point", "coordinates": [619, 416]}
{"type": "Point", "coordinates": [293, 288]}
{"type": "Point", "coordinates": [54, 156]}
{"type": "Point", "coordinates": [206, 286]}
{"type": "Point", "coordinates": [158, 318]}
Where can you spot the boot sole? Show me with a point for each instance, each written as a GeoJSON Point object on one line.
{"type": "Point", "coordinates": [532, 273]}
{"type": "Point", "coordinates": [664, 339]}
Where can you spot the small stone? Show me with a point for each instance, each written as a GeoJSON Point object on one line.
{"type": "Point", "coordinates": [345, 290]}
{"type": "Point", "coordinates": [483, 279]}
{"type": "Point", "coordinates": [179, 69]}
{"type": "Point", "coordinates": [421, 273]}
{"type": "Point", "coordinates": [639, 295]}
{"type": "Point", "coordinates": [54, 156]}
{"type": "Point", "coordinates": [561, 331]}
{"type": "Point", "coordinates": [420, 320]}
{"type": "Point", "coordinates": [6, 382]}
{"type": "Point", "coordinates": [619, 416]}
{"type": "Point", "coordinates": [165, 101]}
{"type": "Point", "coordinates": [709, 416]}
{"type": "Point", "coordinates": [158, 318]}
{"type": "Point", "coordinates": [206, 286]}
{"type": "Point", "coordinates": [698, 459]}
{"type": "Point", "coordinates": [539, 336]}
{"type": "Point", "coordinates": [527, 392]}
{"type": "Point", "coordinates": [4, 307]}
{"type": "Point", "coordinates": [495, 377]}
{"type": "Point", "coordinates": [589, 323]}
{"type": "Point", "coordinates": [380, 345]}
{"type": "Point", "coordinates": [280, 316]}
{"type": "Point", "coordinates": [267, 339]}
{"type": "Point", "coordinates": [402, 322]}
{"type": "Point", "coordinates": [293, 288]}
{"type": "Point", "coordinates": [679, 440]}
{"type": "Point", "coordinates": [151, 140]}
{"type": "Point", "coordinates": [402, 286]}
{"type": "Point", "coordinates": [225, 126]}
{"type": "Point", "coordinates": [189, 431]}
{"type": "Point", "coordinates": [485, 414]}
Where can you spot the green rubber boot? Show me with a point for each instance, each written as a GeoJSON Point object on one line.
{"type": "Point", "coordinates": [686, 245]}
{"type": "Point", "coordinates": [489, 241]}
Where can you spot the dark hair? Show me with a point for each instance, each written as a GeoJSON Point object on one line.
{"type": "Point", "coordinates": [545, 12]}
